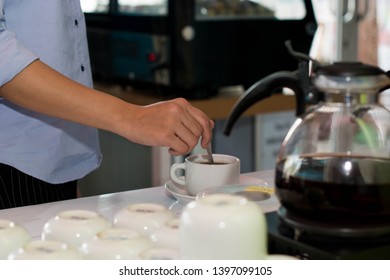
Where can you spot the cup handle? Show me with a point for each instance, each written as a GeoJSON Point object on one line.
{"type": "Point", "coordinates": [180, 182]}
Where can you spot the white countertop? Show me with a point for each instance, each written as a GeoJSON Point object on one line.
{"type": "Point", "coordinates": [34, 217]}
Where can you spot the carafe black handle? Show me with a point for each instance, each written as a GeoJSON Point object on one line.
{"type": "Point", "coordinates": [264, 88]}
{"type": "Point", "coordinates": [387, 86]}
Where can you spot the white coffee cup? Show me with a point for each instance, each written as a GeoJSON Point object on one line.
{"type": "Point", "coordinates": [199, 174]}
{"type": "Point", "coordinates": [45, 250]}
{"type": "Point", "coordinates": [143, 217]}
{"type": "Point", "coordinates": [167, 236]}
{"type": "Point", "coordinates": [74, 226]}
{"type": "Point", "coordinates": [12, 237]}
{"type": "Point", "coordinates": [281, 257]}
{"type": "Point", "coordinates": [116, 244]}
{"type": "Point", "coordinates": [223, 226]}
{"type": "Point", "coordinates": [160, 253]}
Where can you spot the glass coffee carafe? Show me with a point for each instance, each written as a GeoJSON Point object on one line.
{"type": "Point", "coordinates": [333, 167]}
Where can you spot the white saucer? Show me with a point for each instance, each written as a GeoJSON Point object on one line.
{"type": "Point", "coordinates": [269, 205]}
{"type": "Point", "coordinates": [177, 193]}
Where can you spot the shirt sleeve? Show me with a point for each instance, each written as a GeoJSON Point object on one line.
{"type": "Point", "coordinates": [14, 57]}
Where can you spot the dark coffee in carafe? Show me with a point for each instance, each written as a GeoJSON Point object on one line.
{"type": "Point", "coordinates": [336, 188]}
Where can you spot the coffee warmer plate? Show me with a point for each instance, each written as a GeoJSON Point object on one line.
{"type": "Point", "coordinates": [287, 235]}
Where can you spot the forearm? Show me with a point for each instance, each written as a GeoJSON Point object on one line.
{"type": "Point", "coordinates": [175, 123]}
{"type": "Point", "coordinates": [40, 88]}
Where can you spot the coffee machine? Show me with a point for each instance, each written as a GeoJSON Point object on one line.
{"type": "Point", "coordinates": [193, 48]}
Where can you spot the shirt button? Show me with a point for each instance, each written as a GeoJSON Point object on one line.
{"type": "Point", "coordinates": [76, 22]}
{"type": "Point", "coordinates": [82, 68]}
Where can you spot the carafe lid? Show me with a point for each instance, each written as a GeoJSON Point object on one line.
{"type": "Point", "coordinates": [350, 77]}
{"type": "Point", "coordinates": [349, 69]}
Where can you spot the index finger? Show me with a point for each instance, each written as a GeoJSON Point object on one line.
{"type": "Point", "coordinates": [206, 124]}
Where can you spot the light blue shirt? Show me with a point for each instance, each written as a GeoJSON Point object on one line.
{"type": "Point", "coordinates": [47, 148]}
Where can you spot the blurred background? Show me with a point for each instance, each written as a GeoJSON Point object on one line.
{"type": "Point", "coordinates": [203, 49]}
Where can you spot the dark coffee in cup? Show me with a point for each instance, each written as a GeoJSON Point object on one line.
{"type": "Point", "coordinates": [213, 163]}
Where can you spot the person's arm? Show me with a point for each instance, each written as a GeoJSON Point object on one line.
{"type": "Point", "coordinates": [175, 123]}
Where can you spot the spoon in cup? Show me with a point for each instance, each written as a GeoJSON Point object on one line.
{"type": "Point", "coordinates": [210, 153]}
